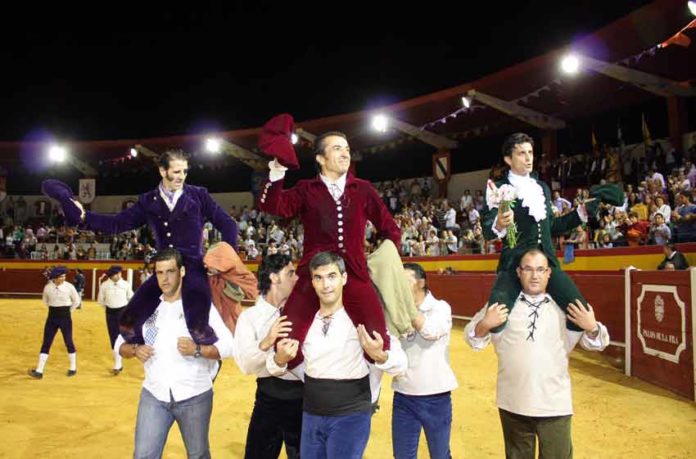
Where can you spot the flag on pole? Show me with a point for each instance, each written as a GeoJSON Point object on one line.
{"type": "Point", "coordinates": [595, 146]}
{"type": "Point", "coordinates": [646, 131]}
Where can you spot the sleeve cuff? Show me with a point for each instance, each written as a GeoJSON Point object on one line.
{"type": "Point", "coordinates": [599, 342]}
{"type": "Point", "coordinates": [477, 343]}
{"type": "Point", "coordinates": [500, 234]}
{"type": "Point", "coordinates": [273, 368]}
{"type": "Point", "coordinates": [277, 171]}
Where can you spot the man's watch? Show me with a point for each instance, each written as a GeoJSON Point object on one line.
{"type": "Point", "coordinates": [198, 351]}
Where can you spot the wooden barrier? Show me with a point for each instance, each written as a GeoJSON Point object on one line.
{"type": "Point", "coordinates": [661, 324]}
{"type": "Point", "coordinates": [468, 292]}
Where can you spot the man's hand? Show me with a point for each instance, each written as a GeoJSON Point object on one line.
{"type": "Point", "coordinates": [504, 219]}
{"type": "Point", "coordinates": [186, 346]}
{"type": "Point", "coordinates": [583, 317]}
{"type": "Point", "coordinates": [142, 352]}
{"type": "Point", "coordinates": [286, 350]}
{"type": "Point", "coordinates": [373, 347]}
{"type": "Point", "coordinates": [280, 329]}
{"type": "Point", "coordinates": [496, 315]}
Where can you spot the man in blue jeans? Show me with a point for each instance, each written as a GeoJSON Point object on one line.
{"type": "Point", "coordinates": [337, 406]}
{"type": "Point", "coordinates": [422, 395]}
{"type": "Point", "coordinates": [179, 373]}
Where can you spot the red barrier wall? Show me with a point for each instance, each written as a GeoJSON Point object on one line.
{"type": "Point", "coordinates": [662, 330]}
{"type": "Point", "coordinates": [468, 292]}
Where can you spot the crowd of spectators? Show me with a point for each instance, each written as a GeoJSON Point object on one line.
{"type": "Point", "coordinates": [660, 187]}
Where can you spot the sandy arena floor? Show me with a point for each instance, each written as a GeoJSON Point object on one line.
{"type": "Point", "coordinates": [92, 415]}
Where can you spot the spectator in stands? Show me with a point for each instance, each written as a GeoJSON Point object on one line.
{"type": "Point", "coordinates": [474, 216]}
{"type": "Point", "coordinates": [578, 237]}
{"type": "Point", "coordinates": [479, 200]}
{"type": "Point", "coordinates": [656, 178]}
{"type": "Point", "coordinates": [663, 208]}
{"type": "Point", "coordinates": [660, 233]}
{"type": "Point", "coordinates": [450, 216]}
{"type": "Point", "coordinates": [433, 244]}
{"type": "Point", "coordinates": [684, 218]}
{"type": "Point", "coordinates": [673, 257]}
{"type": "Point", "coordinates": [636, 230]}
{"type": "Point", "coordinates": [605, 241]}
{"type": "Point", "coordinates": [451, 242]}
{"type": "Point", "coordinates": [466, 201]}
{"type": "Point", "coordinates": [560, 202]}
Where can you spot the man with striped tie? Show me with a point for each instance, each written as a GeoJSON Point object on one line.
{"type": "Point", "coordinates": [179, 373]}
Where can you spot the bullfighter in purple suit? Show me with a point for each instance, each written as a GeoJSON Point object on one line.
{"type": "Point", "coordinates": [176, 213]}
{"type": "Point", "coordinates": [334, 208]}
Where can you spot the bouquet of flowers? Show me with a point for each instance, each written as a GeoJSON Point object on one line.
{"type": "Point", "coordinates": [504, 199]}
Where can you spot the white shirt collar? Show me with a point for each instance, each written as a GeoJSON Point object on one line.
{"type": "Point", "coordinates": [340, 182]}
{"type": "Point", "coordinates": [516, 180]}
{"type": "Point", "coordinates": [536, 298]}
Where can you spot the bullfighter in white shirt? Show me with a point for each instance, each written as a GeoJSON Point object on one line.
{"type": "Point", "coordinates": [114, 294]}
{"type": "Point", "coordinates": [61, 298]}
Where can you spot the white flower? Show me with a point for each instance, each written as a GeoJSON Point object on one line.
{"type": "Point", "coordinates": [496, 196]}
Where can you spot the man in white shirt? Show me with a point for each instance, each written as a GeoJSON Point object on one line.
{"type": "Point", "coordinates": [61, 298]}
{"type": "Point", "coordinates": [337, 393]}
{"type": "Point", "coordinates": [533, 394]}
{"type": "Point", "coordinates": [450, 215]}
{"type": "Point", "coordinates": [422, 395]}
{"type": "Point", "coordinates": [466, 201]}
{"type": "Point", "coordinates": [114, 294]}
{"type": "Point", "coordinates": [277, 415]}
{"type": "Point", "coordinates": [179, 373]}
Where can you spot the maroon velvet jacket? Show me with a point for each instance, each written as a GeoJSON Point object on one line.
{"type": "Point", "coordinates": [331, 227]}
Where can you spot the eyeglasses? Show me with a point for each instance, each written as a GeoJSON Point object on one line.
{"type": "Point", "coordinates": [529, 270]}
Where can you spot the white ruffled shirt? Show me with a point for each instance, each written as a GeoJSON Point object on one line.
{"type": "Point", "coordinates": [530, 193]}
{"type": "Point", "coordinates": [532, 196]}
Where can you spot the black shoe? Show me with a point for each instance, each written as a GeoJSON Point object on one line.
{"type": "Point", "coordinates": [35, 374]}
{"type": "Point", "coordinates": [116, 371]}
{"type": "Point", "coordinates": [71, 372]}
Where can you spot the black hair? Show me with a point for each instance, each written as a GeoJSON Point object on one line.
{"type": "Point", "coordinates": [419, 273]}
{"type": "Point", "coordinates": [169, 155]}
{"type": "Point", "coordinates": [168, 254]}
{"type": "Point", "coordinates": [515, 139]}
{"type": "Point", "coordinates": [320, 144]}
{"type": "Point", "coordinates": [271, 264]}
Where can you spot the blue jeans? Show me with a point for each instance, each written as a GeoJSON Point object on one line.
{"type": "Point", "coordinates": [155, 418]}
{"type": "Point", "coordinates": [329, 437]}
{"type": "Point", "coordinates": [433, 413]}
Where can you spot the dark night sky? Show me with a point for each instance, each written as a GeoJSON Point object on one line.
{"type": "Point", "coordinates": [135, 70]}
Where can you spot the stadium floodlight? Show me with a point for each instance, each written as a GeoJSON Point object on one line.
{"type": "Point", "coordinates": [692, 7]}
{"type": "Point", "coordinates": [213, 145]}
{"type": "Point", "coordinates": [294, 138]}
{"type": "Point", "coordinates": [134, 152]}
{"type": "Point", "coordinates": [380, 123]}
{"type": "Point", "coordinates": [466, 102]}
{"type": "Point", "coordinates": [570, 64]}
{"type": "Point", "coordinates": [57, 153]}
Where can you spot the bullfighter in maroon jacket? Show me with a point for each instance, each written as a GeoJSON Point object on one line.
{"type": "Point", "coordinates": [334, 208]}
